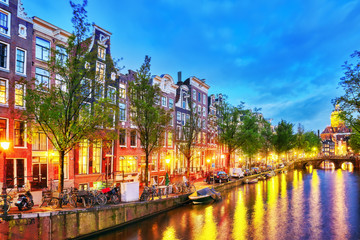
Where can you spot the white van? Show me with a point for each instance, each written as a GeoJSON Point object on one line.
{"type": "Point", "coordinates": [237, 173]}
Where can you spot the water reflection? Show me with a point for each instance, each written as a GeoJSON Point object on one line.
{"type": "Point", "coordinates": [340, 210]}
{"type": "Point", "coordinates": [240, 220]}
{"type": "Point", "coordinates": [311, 204]}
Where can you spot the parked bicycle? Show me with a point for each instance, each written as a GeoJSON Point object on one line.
{"type": "Point", "coordinates": [84, 198]}
{"type": "Point", "coordinates": [5, 203]}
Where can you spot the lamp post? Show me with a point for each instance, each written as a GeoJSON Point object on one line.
{"type": "Point", "coordinates": [167, 160]}
{"type": "Point", "coordinates": [208, 163]}
{"type": "Point", "coordinates": [4, 146]}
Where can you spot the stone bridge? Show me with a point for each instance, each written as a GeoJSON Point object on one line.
{"type": "Point", "coordinates": [337, 160]}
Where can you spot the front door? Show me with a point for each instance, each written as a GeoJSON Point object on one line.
{"type": "Point", "coordinates": [106, 166]}
{"type": "Point", "coordinates": [40, 175]}
{"type": "Point", "coordinates": [20, 172]}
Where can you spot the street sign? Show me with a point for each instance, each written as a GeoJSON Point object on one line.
{"type": "Point", "coordinates": [213, 165]}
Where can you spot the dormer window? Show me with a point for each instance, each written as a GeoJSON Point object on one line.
{"type": "Point", "coordinates": [101, 53]}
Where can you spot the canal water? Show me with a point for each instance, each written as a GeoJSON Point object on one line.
{"type": "Point", "coordinates": [309, 204]}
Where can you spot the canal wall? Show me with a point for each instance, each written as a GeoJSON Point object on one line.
{"type": "Point", "coordinates": [82, 222]}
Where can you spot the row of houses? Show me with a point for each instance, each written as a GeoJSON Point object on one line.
{"type": "Point", "coordinates": [25, 48]}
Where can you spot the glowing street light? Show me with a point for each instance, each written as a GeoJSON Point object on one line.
{"type": "Point", "coordinates": [5, 146]}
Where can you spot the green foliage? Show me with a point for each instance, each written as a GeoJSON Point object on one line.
{"type": "Point", "coordinates": [267, 138]}
{"type": "Point", "coordinates": [284, 139]}
{"type": "Point", "coordinates": [350, 101]}
{"type": "Point", "coordinates": [147, 115]}
{"type": "Point", "coordinates": [69, 110]}
{"type": "Point", "coordinates": [354, 142]}
{"type": "Point", "coordinates": [229, 125]}
{"type": "Point", "coordinates": [312, 142]}
{"type": "Point", "coordinates": [250, 135]}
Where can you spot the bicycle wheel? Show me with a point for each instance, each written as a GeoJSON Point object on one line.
{"type": "Point", "coordinates": [115, 199]}
{"type": "Point", "coordinates": [54, 203]}
{"type": "Point", "coordinates": [101, 199]}
{"type": "Point", "coordinates": [73, 200]}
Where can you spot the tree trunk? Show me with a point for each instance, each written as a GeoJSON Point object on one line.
{"type": "Point", "coordinates": [61, 175]}
{"type": "Point", "coordinates": [188, 159]}
{"type": "Point", "coordinates": [146, 169]}
{"type": "Point", "coordinates": [228, 162]}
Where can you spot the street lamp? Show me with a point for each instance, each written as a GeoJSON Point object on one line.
{"type": "Point", "coordinates": [167, 160]}
{"type": "Point", "coordinates": [4, 146]}
{"type": "Point", "coordinates": [208, 162]}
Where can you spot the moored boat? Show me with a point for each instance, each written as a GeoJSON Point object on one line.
{"type": "Point", "coordinates": [255, 180]}
{"type": "Point", "coordinates": [205, 195]}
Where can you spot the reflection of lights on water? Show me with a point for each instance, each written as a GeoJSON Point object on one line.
{"type": "Point", "coordinates": [315, 206]}
{"type": "Point", "coordinates": [258, 219]}
{"type": "Point", "coordinates": [283, 186]}
{"type": "Point", "coordinates": [340, 210]}
{"type": "Point", "coordinates": [169, 234]}
{"type": "Point", "coordinates": [347, 166]}
{"type": "Point", "coordinates": [207, 227]}
{"type": "Point", "coordinates": [240, 220]}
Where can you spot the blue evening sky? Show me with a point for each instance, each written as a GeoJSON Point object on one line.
{"type": "Point", "coordinates": [282, 56]}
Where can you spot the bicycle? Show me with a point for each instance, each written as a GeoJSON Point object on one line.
{"type": "Point", "coordinates": [5, 203]}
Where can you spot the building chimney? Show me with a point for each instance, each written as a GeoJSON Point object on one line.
{"type": "Point", "coordinates": [179, 76]}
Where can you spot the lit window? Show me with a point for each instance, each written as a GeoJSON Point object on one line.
{"type": "Point", "coordinates": [4, 22]}
{"type": "Point", "coordinates": [122, 91]}
{"type": "Point", "coordinates": [42, 77]}
{"type": "Point", "coordinates": [3, 91]}
{"type": "Point", "coordinates": [4, 55]}
{"type": "Point", "coordinates": [171, 103]}
{"type": "Point", "coordinates": [170, 139]}
{"type": "Point", "coordinates": [42, 49]}
{"type": "Point", "coordinates": [112, 94]}
{"type": "Point", "coordinates": [122, 112]}
{"type": "Point", "coordinates": [100, 71]}
{"type": "Point", "coordinates": [20, 61]}
{"type": "Point", "coordinates": [61, 55]}
{"type": "Point", "coordinates": [96, 157]}
{"type": "Point", "coordinates": [19, 132]}
{"type": "Point", "coordinates": [163, 101]}
{"type": "Point", "coordinates": [83, 157]}
{"type": "Point", "coordinates": [39, 142]}
{"type": "Point", "coordinates": [3, 128]}
{"type": "Point", "coordinates": [19, 95]}
{"type": "Point", "coordinates": [101, 53]}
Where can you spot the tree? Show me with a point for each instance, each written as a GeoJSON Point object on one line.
{"type": "Point", "coordinates": [284, 139]}
{"type": "Point", "coordinates": [350, 102]}
{"type": "Point", "coordinates": [267, 137]}
{"type": "Point", "coordinates": [313, 142]}
{"type": "Point", "coordinates": [354, 142]}
{"type": "Point", "coordinates": [72, 109]}
{"type": "Point", "coordinates": [300, 143]}
{"type": "Point", "coordinates": [188, 135]}
{"type": "Point", "coordinates": [250, 135]}
{"type": "Point", "coordinates": [229, 127]}
{"type": "Point", "coordinates": [147, 115]}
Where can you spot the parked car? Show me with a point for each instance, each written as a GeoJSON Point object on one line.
{"type": "Point", "coordinates": [255, 170]}
{"type": "Point", "coordinates": [247, 172]}
{"type": "Point", "coordinates": [281, 165]}
{"type": "Point", "coordinates": [219, 177]}
{"type": "Point", "coordinates": [237, 173]}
